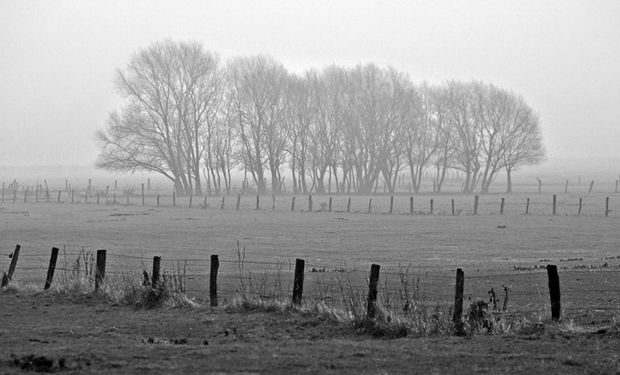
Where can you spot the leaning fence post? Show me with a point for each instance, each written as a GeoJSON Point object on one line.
{"type": "Point", "coordinates": [554, 291]}
{"type": "Point", "coordinates": [14, 258]}
{"type": "Point", "coordinates": [51, 268]}
{"type": "Point", "coordinates": [349, 205]}
{"type": "Point", "coordinates": [476, 200]}
{"type": "Point", "coordinates": [527, 206]}
{"type": "Point", "coordinates": [580, 203]}
{"type": "Point", "coordinates": [238, 200]}
{"type": "Point", "coordinates": [369, 205]}
{"type": "Point", "coordinates": [371, 310]}
{"type": "Point", "coordinates": [155, 273]}
{"type": "Point", "coordinates": [190, 200]}
{"type": "Point", "coordinates": [215, 265]}
{"type": "Point", "coordinates": [298, 283]}
{"type": "Point", "coordinates": [100, 271]}
{"type": "Point", "coordinates": [606, 206]}
{"type": "Point", "coordinates": [458, 300]}
{"type": "Point", "coordinates": [293, 204]}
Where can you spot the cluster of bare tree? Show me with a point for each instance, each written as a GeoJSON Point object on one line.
{"type": "Point", "coordinates": [194, 120]}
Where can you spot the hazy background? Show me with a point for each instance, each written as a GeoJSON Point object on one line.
{"type": "Point", "coordinates": [57, 61]}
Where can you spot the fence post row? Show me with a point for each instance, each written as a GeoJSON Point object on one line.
{"type": "Point", "coordinates": [298, 283]}
{"type": "Point", "coordinates": [371, 310]}
{"type": "Point", "coordinates": [100, 268]}
{"type": "Point", "coordinates": [215, 265]}
{"type": "Point", "coordinates": [554, 291]}
{"type": "Point", "coordinates": [51, 268]}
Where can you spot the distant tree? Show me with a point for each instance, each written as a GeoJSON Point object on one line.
{"type": "Point", "coordinates": [170, 93]}
{"type": "Point", "coordinates": [257, 87]}
{"type": "Point", "coordinates": [524, 144]}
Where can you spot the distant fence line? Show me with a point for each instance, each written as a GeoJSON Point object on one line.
{"type": "Point", "coordinates": [416, 205]}
{"type": "Point", "coordinates": [229, 277]}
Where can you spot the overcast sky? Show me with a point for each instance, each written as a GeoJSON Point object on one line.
{"type": "Point", "coordinates": [57, 58]}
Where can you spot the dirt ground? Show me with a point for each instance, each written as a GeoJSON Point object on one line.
{"type": "Point", "coordinates": [87, 335]}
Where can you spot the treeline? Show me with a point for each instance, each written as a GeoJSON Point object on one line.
{"type": "Point", "coordinates": [194, 119]}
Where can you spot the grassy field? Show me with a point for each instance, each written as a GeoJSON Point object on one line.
{"type": "Point", "coordinates": [493, 250]}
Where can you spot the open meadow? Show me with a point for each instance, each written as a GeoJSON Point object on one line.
{"type": "Point", "coordinates": [418, 254]}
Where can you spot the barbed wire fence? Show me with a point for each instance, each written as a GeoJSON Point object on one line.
{"type": "Point", "coordinates": [586, 290]}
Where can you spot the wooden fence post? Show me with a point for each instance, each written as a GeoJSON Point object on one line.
{"type": "Point", "coordinates": [157, 200]}
{"type": "Point", "coordinates": [72, 196]}
{"type": "Point", "coordinates": [174, 199]}
{"type": "Point", "coordinates": [452, 206]}
{"type": "Point", "coordinates": [204, 203]}
{"type": "Point", "coordinates": [59, 192]}
{"type": "Point", "coordinates": [215, 265]}
{"type": "Point", "coordinates": [501, 206]}
{"type": "Point", "coordinates": [555, 201]}
{"type": "Point", "coordinates": [100, 268]}
{"type": "Point", "coordinates": [51, 268]}
{"type": "Point", "coordinates": [223, 202]}
{"type": "Point", "coordinates": [156, 269]}
{"type": "Point", "coordinates": [476, 200]}
{"type": "Point", "coordinates": [258, 202]}
{"type": "Point", "coordinates": [310, 203]}
{"type": "Point", "coordinates": [391, 204]}
{"type": "Point", "coordinates": [97, 197]}
{"type": "Point", "coordinates": [238, 200]}
{"type": "Point", "coordinates": [606, 206]}
{"type": "Point", "coordinates": [369, 205]}
{"type": "Point", "coordinates": [410, 205]}
{"type": "Point", "coordinates": [86, 198]}
{"type": "Point", "coordinates": [26, 195]}
{"type": "Point", "coordinates": [527, 206]}
{"type": "Point", "coordinates": [580, 204]}
{"type": "Point", "coordinates": [298, 283]}
{"type": "Point", "coordinates": [458, 301]}
{"type": "Point", "coordinates": [273, 201]}
{"type": "Point", "coordinates": [190, 200]}
{"type": "Point", "coordinates": [14, 258]}
{"type": "Point", "coordinates": [36, 194]}
{"type": "Point", "coordinates": [349, 205]}
{"type": "Point", "coordinates": [591, 187]}
{"type": "Point", "coordinates": [371, 310]}
{"type": "Point", "coordinates": [554, 291]}
{"type": "Point", "coordinates": [432, 208]}
{"type": "Point", "coordinates": [330, 204]}
{"type": "Point", "coordinates": [616, 191]}
{"type": "Point", "coordinates": [4, 183]}
{"type": "Point", "coordinates": [293, 204]}
{"type": "Point", "coordinates": [142, 194]}
{"type": "Point", "coordinates": [566, 187]}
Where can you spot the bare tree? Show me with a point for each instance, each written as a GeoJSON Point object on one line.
{"type": "Point", "coordinates": [257, 87]}
{"type": "Point", "coordinates": [167, 91]}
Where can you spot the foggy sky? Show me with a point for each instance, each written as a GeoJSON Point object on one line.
{"type": "Point", "coordinates": [57, 58]}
